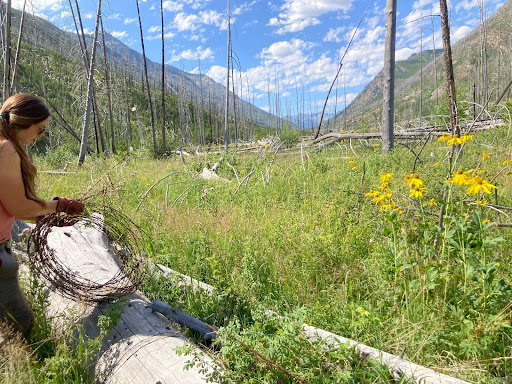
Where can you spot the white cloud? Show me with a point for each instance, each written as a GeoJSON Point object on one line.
{"type": "Point", "coordinates": [167, 35]}
{"type": "Point", "coordinates": [154, 29]}
{"type": "Point", "coordinates": [172, 6]}
{"type": "Point", "coordinates": [130, 20]}
{"type": "Point", "coordinates": [89, 15]}
{"type": "Point", "coordinates": [189, 54]}
{"type": "Point", "coordinates": [190, 22]}
{"type": "Point", "coordinates": [404, 53]}
{"type": "Point", "coordinates": [39, 5]}
{"type": "Point", "coordinates": [334, 34]}
{"type": "Point", "coordinates": [296, 15]}
{"type": "Point", "coordinates": [459, 33]}
{"type": "Point", "coordinates": [466, 5]}
{"type": "Point", "coordinates": [119, 34]}
{"type": "Point", "coordinates": [64, 14]}
{"type": "Point", "coordinates": [245, 7]}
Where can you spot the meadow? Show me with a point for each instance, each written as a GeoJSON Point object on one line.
{"type": "Point", "coordinates": [345, 239]}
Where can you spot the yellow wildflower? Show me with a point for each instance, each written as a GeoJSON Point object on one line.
{"type": "Point", "coordinates": [467, 137]}
{"type": "Point", "coordinates": [478, 184]}
{"type": "Point", "coordinates": [380, 199]}
{"type": "Point", "coordinates": [459, 178]}
{"type": "Point", "coordinates": [486, 221]}
{"type": "Point", "coordinates": [397, 209]}
{"type": "Point", "coordinates": [485, 156]}
{"type": "Point", "coordinates": [352, 161]}
{"type": "Point", "coordinates": [385, 177]}
{"type": "Point", "coordinates": [437, 164]}
{"type": "Point", "coordinates": [354, 167]}
{"type": "Point", "coordinates": [373, 194]}
{"type": "Point", "coordinates": [507, 162]}
{"type": "Point", "coordinates": [431, 203]}
{"type": "Point", "coordinates": [417, 192]}
{"type": "Point", "coordinates": [456, 140]}
{"type": "Point", "coordinates": [444, 137]}
{"type": "Point", "coordinates": [413, 180]}
{"type": "Point", "coordinates": [481, 202]}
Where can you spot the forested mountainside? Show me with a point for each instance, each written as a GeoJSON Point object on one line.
{"type": "Point", "coordinates": [197, 88]}
{"type": "Point", "coordinates": [482, 66]}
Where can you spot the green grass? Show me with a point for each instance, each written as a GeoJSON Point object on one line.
{"type": "Point", "coordinates": [302, 235]}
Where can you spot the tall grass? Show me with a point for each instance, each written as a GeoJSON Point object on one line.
{"type": "Point", "coordinates": [302, 234]}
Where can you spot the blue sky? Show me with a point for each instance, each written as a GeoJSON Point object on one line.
{"type": "Point", "coordinates": [293, 45]}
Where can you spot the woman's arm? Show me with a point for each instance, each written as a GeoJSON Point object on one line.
{"type": "Point", "coordinates": [12, 190]}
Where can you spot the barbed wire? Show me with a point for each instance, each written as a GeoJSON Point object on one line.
{"type": "Point", "coordinates": [129, 245]}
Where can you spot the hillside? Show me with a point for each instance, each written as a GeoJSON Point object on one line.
{"type": "Point", "coordinates": [199, 89]}
{"type": "Point", "coordinates": [471, 68]}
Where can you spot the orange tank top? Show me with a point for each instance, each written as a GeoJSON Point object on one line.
{"type": "Point", "coordinates": [6, 222]}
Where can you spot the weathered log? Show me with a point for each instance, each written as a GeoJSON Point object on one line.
{"type": "Point", "coordinates": [397, 366]}
{"type": "Point", "coordinates": [141, 347]}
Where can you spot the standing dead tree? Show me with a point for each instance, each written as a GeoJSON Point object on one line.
{"type": "Point", "coordinates": [226, 110]}
{"type": "Point", "coordinates": [18, 49]}
{"type": "Point", "coordinates": [152, 115]}
{"type": "Point", "coordinates": [90, 78]}
{"type": "Point", "coordinates": [163, 76]}
{"type": "Point", "coordinates": [388, 111]}
{"type": "Point", "coordinates": [7, 49]}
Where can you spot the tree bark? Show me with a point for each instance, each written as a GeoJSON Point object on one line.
{"type": "Point", "coordinates": [90, 85]}
{"type": "Point", "coordinates": [448, 67]}
{"type": "Point", "coordinates": [18, 48]}
{"type": "Point", "coordinates": [388, 110]}
{"type": "Point", "coordinates": [7, 51]}
{"type": "Point", "coordinates": [226, 110]}
{"type": "Point", "coordinates": [109, 99]}
{"type": "Point", "coordinates": [163, 78]}
{"type": "Point", "coordinates": [152, 115]}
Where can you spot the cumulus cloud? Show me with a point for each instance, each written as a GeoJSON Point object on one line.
{"type": "Point", "coordinates": [39, 5]}
{"type": "Point", "coordinates": [167, 35]}
{"type": "Point", "coordinates": [65, 14]}
{"type": "Point", "coordinates": [154, 29]}
{"type": "Point", "coordinates": [191, 22]}
{"type": "Point", "coordinates": [172, 6]}
{"type": "Point", "coordinates": [335, 35]}
{"type": "Point", "coordinates": [130, 20]}
{"type": "Point", "coordinates": [460, 32]}
{"type": "Point", "coordinates": [296, 15]}
{"type": "Point", "coordinates": [245, 7]}
{"type": "Point", "coordinates": [465, 5]}
{"type": "Point", "coordinates": [119, 34]}
{"type": "Point", "coordinates": [190, 54]}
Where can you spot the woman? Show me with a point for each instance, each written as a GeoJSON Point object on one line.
{"type": "Point", "coordinates": [23, 118]}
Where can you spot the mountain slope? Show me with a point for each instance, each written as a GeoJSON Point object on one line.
{"type": "Point", "coordinates": [199, 89]}
{"type": "Point", "coordinates": [470, 67]}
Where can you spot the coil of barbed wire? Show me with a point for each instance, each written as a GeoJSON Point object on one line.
{"type": "Point", "coordinates": [127, 242]}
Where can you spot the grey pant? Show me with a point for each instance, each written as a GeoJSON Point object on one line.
{"type": "Point", "coordinates": [14, 308]}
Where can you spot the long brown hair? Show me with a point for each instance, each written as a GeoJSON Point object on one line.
{"type": "Point", "coordinates": [20, 112]}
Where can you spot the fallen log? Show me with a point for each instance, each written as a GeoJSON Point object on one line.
{"type": "Point", "coordinates": [141, 347]}
{"type": "Point", "coordinates": [398, 366]}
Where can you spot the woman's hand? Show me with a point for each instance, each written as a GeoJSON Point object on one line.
{"type": "Point", "coordinates": [69, 206]}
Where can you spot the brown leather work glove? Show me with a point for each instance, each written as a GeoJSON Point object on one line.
{"type": "Point", "coordinates": [69, 206]}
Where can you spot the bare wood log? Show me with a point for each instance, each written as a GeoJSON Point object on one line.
{"type": "Point", "coordinates": [397, 365]}
{"type": "Point", "coordinates": [140, 349]}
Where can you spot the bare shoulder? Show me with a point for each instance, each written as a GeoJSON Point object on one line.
{"type": "Point", "coordinates": [8, 154]}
